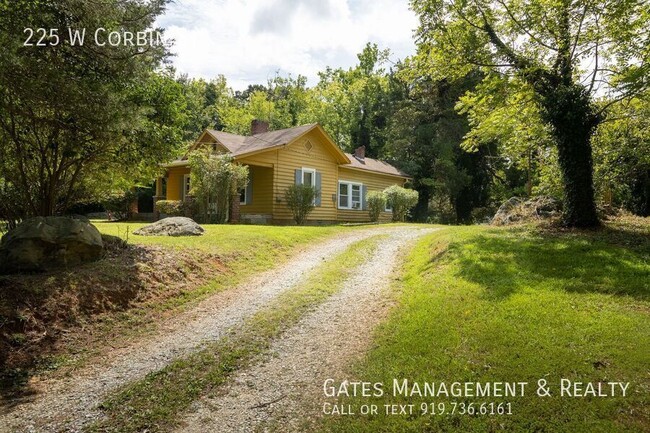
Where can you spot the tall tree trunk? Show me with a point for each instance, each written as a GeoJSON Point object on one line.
{"type": "Point", "coordinates": [421, 210]}
{"type": "Point", "coordinates": [568, 109]}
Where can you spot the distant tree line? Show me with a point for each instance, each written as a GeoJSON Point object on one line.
{"type": "Point", "coordinates": [541, 97]}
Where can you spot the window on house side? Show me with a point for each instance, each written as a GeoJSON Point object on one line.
{"type": "Point", "coordinates": [186, 186]}
{"type": "Point", "coordinates": [309, 176]}
{"type": "Point", "coordinates": [349, 195]}
{"type": "Point", "coordinates": [242, 196]}
{"type": "Point", "coordinates": [356, 196]}
{"type": "Point", "coordinates": [344, 197]}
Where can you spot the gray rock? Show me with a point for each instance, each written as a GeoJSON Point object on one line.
{"type": "Point", "coordinates": [545, 206]}
{"type": "Point", "coordinates": [49, 242]}
{"type": "Point", "coordinates": [174, 226]}
{"type": "Point", "coordinates": [504, 213]}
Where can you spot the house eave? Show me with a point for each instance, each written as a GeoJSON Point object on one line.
{"type": "Point", "coordinates": [365, 170]}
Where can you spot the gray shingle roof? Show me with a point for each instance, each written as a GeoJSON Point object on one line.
{"type": "Point", "coordinates": [239, 145]}
{"type": "Point", "coordinates": [375, 165]}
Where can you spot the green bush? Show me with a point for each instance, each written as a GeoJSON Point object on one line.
{"type": "Point", "coordinates": [376, 202]}
{"type": "Point", "coordinates": [300, 199]}
{"type": "Point", "coordinates": [216, 180]}
{"type": "Point", "coordinates": [118, 205]}
{"type": "Point", "coordinates": [401, 200]}
{"type": "Point", "coordinates": [170, 207]}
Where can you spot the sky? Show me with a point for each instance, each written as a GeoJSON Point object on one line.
{"type": "Point", "coordinates": [249, 41]}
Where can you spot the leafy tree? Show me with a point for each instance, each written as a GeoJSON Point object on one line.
{"type": "Point", "coordinates": [216, 179]}
{"type": "Point", "coordinates": [622, 157]}
{"type": "Point", "coordinates": [75, 119]}
{"type": "Point", "coordinates": [300, 200]}
{"type": "Point", "coordinates": [424, 136]}
{"type": "Point", "coordinates": [202, 100]}
{"type": "Point", "coordinates": [290, 98]}
{"type": "Point", "coordinates": [561, 51]}
{"type": "Point", "coordinates": [352, 105]}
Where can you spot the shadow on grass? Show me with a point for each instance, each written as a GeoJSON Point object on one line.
{"type": "Point", "coordinates": [607, 261]}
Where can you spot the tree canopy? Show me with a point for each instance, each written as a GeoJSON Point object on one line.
{"type": "Point", "coordinates": [560, 53]}
{"type": "Point", "coordinates": [78, 119]}
{"type": "Point", "coordinates": [503, 98]}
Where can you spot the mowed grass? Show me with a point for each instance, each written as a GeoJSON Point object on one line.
{"type": "Point", "coordinates": [244, 249]}
{"type": "Point", "coordinates": [256, 245]}
{"type": "Point", "coordinates": [156, 403]}
{"type": "Point", "coordinates": [480, 304]}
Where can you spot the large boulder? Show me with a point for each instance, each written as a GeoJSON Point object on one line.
{"type": "Point", "coordinates": [49, 242]}
{"type": "Point", "coordinates": [173, 226]}
{"type": "Point", "coordinates": [504, 214]}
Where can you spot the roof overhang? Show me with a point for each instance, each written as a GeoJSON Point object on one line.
{"type": "Point", "coordinates": [177, 163]}
{"type": "Point", "coordinates": [365, 170]}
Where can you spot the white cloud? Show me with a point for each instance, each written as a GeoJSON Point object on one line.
{"type": "Point", "coordinates": [249, 40]}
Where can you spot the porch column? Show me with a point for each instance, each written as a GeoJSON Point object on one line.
{"type": "Point", "coordinates": [158, 196]}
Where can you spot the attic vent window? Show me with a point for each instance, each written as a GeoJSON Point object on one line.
{"type": "Point", "coordinates": [308, 145]}
{"type": "Point", "coordinates": [214, 147]}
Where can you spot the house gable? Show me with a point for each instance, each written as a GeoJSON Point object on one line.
{"type": "Point", "coordinates": [206, 139]}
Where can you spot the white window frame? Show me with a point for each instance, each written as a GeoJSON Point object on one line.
{"type": "Point", "coordinates": [350, 203]}
{"type": "Point", "coordinates": [313, 175]}
{"type": "Point", "coordinates": [186, 178]}
{"type": "Point", "coordinates": [313, 178]}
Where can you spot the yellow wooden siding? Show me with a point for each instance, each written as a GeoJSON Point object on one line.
{"type": "Point", "coordinates": [175, 182]}
{"type": "Point", "coordinates": [373, 182]}
{"type": "Point", "coordinates": [262, 187]}
{"type": "Point", "coordinates": [286, 160]}
{"type": "Point", "coordinates": [295, 156]}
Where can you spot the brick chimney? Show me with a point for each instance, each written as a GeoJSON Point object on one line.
{"type": "Point", "coordinates": [360, 153]}
{"type": "Point", "coordinates": [259, 127]}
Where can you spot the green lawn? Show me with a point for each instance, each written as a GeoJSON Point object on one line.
{"type": "Point", "coordinates": [484, 304]}
{"type": "Point", "coordinates": [244, 249]}
{"type": "Point", "coordinates": [224, 238]}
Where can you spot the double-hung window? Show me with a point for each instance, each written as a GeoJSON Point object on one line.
{"type": "Point", "coordinates": [309, 177]}
{"type": "Point", "coordinates": [349, 195]}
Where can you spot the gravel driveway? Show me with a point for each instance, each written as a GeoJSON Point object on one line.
{"type": "Point", "coordinates": [285, 391]}
{"type": "Point", "coordinates": [68, 404]}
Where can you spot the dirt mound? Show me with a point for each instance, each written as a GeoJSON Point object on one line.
{"type": "Point", "coordinates": [517, 210]}
{"type": "Point", "coordinates": [44, 314]}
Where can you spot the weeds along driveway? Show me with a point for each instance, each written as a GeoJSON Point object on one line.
{"type": "Point", "coordinates": [69, 404]}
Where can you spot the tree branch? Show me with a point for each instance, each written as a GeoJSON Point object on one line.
{"type": "Point", "coordinates": [524, 28]}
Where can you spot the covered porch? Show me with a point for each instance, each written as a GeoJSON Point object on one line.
{"type": "Point", "coordinates": [255, 204]}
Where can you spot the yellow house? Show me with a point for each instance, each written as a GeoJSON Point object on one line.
{"type": "Point", "coordinates": [276, 159]}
